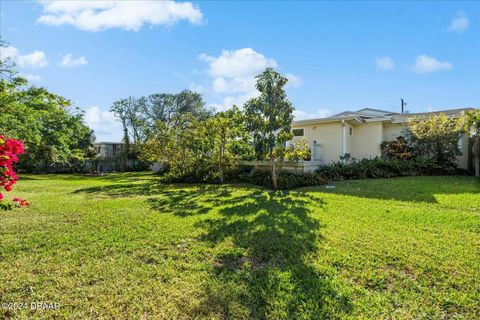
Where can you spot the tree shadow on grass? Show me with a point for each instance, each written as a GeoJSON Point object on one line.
{"type": "Point", "coordinates": [187, 202]}
{"type": "Point", "coordinates": [124, 189]}
{"type": "Point", "coordinates": [117, 177]}
{"type": "Point", "coordinates": [179, 194]}
{"type": "Point", "coordinates": [266, 242]}
{"type": "Point", "coordinates": [264, 246]}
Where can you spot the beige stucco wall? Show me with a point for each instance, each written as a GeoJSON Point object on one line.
{"type": "Point", "coordinates": [363, 143]}
{"type": "Point", "coordinates": [366, 140]}
{"type": "Point", "coordinates": [328, 135]}
{"type": "Point", "coordinates": [392, 131]}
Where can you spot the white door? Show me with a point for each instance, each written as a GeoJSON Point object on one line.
{"type": "Point", "coordinates": [317, 152]}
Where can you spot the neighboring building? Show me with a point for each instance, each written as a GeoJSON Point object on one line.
{"type": "Point", "coordinates": [108, 159]}
{"type": "Point", "coordinates": [107, 150]}
{"type": "Point", "coordinates": [361, 132]}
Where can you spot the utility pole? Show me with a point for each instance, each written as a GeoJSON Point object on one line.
{"type": "Point", "coordinates": [404, 105]}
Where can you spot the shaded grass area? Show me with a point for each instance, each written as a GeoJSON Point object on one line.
{"type": "Point", "coordinates": [125, 246]}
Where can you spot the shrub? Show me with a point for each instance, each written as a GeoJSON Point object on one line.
{"type": "Point", "coordinates": [244, 174]}
{"type": "Point", "coordinates": [341, 170]}
{"type": "Point", "coordinates": [286, 180]}
{"type": "Point", "coordinates": [398, 149]}
{"type": "Point", "coordinates": [383, 168]}
{"type": "Point", "coordinates": [9, 151]}
{"type": "Point", "coordinates": [435, 137]}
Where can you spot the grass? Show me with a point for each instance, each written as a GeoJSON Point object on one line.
{"type": "Point", "coordinates": [124, 246]}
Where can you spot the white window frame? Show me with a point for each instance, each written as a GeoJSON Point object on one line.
{"type": "Point", "coordinates": [302, 136]}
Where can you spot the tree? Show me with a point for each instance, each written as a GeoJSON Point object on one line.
{"type": "Point", "coordinates": [139, 116]}
{"type": "Point", "coordinates": [7, 67]}
{"type": "Point", "coordinates": [199, 150]}
{"type": "Point", "coordinates": [471, 123]}
{"type": "Point", "coordinates": [120, 110]}
{"type": "Point", "coordinates": [179, 145]}
{"type": "Point", "coordinates": [51, 129]}
{"type": "Point", "coordinates": [436, 137]}
{"type": "Point", "coordinates": [227, 140]}
{"type": "Point", "coordinates": [269, 118]}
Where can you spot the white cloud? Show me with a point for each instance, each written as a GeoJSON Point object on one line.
{"type": "Point", "coordinates": [385, 63]}
{"type": "Point", "coordinates": [233, 75]}
{"type": "Point", "coordinates": [8, 52]}
{"type": "Point", "coordinates": [233, 85]}
{"type": "Point", "coordinates": [241, 63]}
{"type": "Point", "coordinates": [32, 77]}
{"type": "Point", "coordinates": [196, 88]}
{"type": "Point", "coordinates": [34, 59]}
{"type": "Point", "coordinates": [105, 125]}
{"type": "Point", "coordinates": [459, 22]}
{"type": "Point", "coordinates": [320, 113]}
{"type": "Point", "coordinates": [426, 64]}
{"type": "Point", "coordinates": [293, 80]}
{"type": "Point", "coordinates": [237, 100]}
{"type": "Point", "coordinates": [126, 15]}
{"type": "Point", "coordinates": [69, 61]}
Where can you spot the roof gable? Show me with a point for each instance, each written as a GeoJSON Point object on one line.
{"type": "Point", "coordinates": [365, 112]}
{"type": "Point", "coordinates": [374, 112]}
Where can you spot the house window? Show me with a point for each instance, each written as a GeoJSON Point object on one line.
{"type": "Point", "coordinates": [298, 132]}
{"type": "Point", "coordinates": [350, 131]}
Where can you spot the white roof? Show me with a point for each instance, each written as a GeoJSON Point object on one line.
{"type": "Point", "coordinates": [375, 115]}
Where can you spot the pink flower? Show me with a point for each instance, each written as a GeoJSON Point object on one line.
{"type": "Point", "coordinates": [9, 151]}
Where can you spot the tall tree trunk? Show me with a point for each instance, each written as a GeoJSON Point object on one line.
{"type": "Point", "coordinates": [46, 166]}
{"type": "Point", "coordinates": [220, 173]}
{"type": "Point", "coordinates": [222, 154]}
{"type": "Point", "coordinates": [274, 174]}
{"type": "Point", "coordinates": [476, 155]}
{"type": "Point", "coordinates": [220, 166]}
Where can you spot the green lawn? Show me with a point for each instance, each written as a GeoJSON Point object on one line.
{"type": "Point", "coordinates": [124, 246]}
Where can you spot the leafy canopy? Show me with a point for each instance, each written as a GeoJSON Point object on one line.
{"type": "Point", "coordinates": [436, 137]}
{"type": "Point", "coordinates": [51, 129]}
{"type": "Point", "coordinates": [269, 116]}
{"type": "Point", "coordinates": [139, 116]}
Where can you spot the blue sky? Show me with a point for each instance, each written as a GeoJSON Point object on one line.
{"type": "Point", "coordinates": [337, 55]}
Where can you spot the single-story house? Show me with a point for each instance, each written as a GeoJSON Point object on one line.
{"type": "Point", "coordinates": [107, 150]}
{"type": "Point", "coordinates": [360, 133]}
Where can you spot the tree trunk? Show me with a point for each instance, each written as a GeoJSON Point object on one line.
{"type": "Point", "coordinates": [222, 154]}
{"type": "Point", "coordinates": [274, 174]}
{"type": "Point", "coordinates": [220, 173]}
{"type": "Point", "coordinates": [476, 155]}
{"type": "Point", "coordinates": [220, 166]}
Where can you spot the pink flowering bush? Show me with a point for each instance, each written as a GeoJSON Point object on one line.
{"type": "Point", "coordinates": [9, 151]}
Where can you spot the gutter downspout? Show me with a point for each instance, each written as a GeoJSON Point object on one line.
{"type": "Point", "coordinates": [344, 138]}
